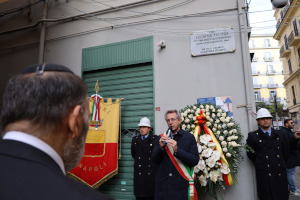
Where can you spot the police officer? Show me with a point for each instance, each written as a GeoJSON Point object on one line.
{"type": "Point", "coordinates": [270, 150]}
{"type": "Point", "coordinates": [144, 168]}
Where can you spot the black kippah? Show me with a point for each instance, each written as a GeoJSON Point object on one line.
{"type": "Point", "coordinates": [40, 68]}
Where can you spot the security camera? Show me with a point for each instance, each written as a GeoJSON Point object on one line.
{"type": "Point", "coordinates": [279, 3]}
{"type": "Point", "coordinates": [162, 44]}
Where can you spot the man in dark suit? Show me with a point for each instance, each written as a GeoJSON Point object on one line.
{"type": "Point", "coordinates": [44, 122]}
{"type": "Point", "coordinates": [175, 153]}
{"type": "Point", "coordinates": [144, 169]}
{"type": "Point", "coordinates": [270, 151]}
{"type": "Point", "coordinates": [294, 157]}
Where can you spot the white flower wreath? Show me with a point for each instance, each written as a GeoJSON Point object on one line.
{"type": "Point", "coordinates": [218, 145]}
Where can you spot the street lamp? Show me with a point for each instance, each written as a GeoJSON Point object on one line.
{"type": "Point", "coordinates": [279, 3]}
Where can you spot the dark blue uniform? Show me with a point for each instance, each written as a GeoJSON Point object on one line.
{"type": "Point", "coordinates": [144, 168]}
{"type": "Point", "coordinates": [269, 158]}
{"type": "Point", "coordinates": [169, 184]}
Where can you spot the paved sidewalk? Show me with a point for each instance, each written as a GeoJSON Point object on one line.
{"type": "Point", "coordinates": [297, 183]}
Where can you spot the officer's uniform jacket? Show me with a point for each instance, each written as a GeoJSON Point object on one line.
{"type": "Point", "coordinates": [269, 158]}
{"type": "Point", "coordinates": [144, 168]}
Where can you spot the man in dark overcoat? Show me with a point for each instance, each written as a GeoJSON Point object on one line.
{"type": "Point", "coordinates": [144, 168]}
{"type": "Point", "coordinates": [269, 156]}
{"type": "Point", "coordinates": [294, 157]}
{"type": "Point", "coordinates": [169, 183]}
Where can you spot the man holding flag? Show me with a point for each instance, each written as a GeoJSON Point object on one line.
{"type": "Point", "coordinates": [176, 154]}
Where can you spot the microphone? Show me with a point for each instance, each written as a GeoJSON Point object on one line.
{"type": "Point", "coordinates": [168, 133]}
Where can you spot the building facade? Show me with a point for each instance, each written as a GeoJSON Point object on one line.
{"type": "Point", "coordinates": [267, 70]}
{"type": "Point", "coordinates": [119, 43]}
{"type": "Point", "coordinates": [288, 35]}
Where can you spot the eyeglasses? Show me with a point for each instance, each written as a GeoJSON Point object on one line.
{"type": "Point", "coordinates": [171, 120]}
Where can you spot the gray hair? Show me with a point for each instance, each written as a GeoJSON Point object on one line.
{"type": "Point", "coordinates": [173, 111]}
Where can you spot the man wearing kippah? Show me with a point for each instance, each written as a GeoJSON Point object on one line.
{"type": "Point", "coordinates": [44, 123]}
{"type": "Point", "coordinates": [144, 168]}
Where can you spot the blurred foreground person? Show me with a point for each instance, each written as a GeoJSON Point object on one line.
{"type": "Point", "coordinates": [271, 151]}
{"type": "Point", "coordinates": [44, 123]}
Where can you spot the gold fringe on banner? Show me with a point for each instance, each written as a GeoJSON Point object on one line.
{"type": "Point", "coordinates": [96, 185]}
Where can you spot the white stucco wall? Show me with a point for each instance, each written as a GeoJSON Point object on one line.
{"type": "Point", "coordinates": [179, 78]}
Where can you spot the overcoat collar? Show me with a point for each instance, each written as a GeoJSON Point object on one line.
{"type": "Point", "coordinates": [264, 135]}
{"type": "Point", "coordinates": [149, 137]}
{"type": "Point", "coordinates": [286, 129]}
{"type": "Point", "coordinates": [26, 152]}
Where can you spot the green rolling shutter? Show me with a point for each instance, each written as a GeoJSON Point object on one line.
{"type": "Point", "coordinates": [120, 187]}
{"type": "Point", "coordinates": [124, 70]}
{"type": "Point", "coordinates": [134, 83]}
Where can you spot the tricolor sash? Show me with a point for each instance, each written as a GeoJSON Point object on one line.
{"type": "Point", "coordinates": [185, 171]}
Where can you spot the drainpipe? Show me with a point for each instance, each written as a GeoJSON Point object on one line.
{"type": "Point", "coordinates": [246, 61]}
{"type": "Point", "coordinates": [247, 76]}
{"type": "Point", "coordinates": [43, 33]}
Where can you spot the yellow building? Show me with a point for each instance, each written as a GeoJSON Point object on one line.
{"type": "Point", "coordinates": [288, 35]}
{"type": "Point", "coordinates": [266, 69]}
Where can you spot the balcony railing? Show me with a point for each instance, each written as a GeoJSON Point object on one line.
{"type": "Point", "coordinates": [268, 59]}
{"type": "Point", "coordinates": [255, 73]}
{"type": "Point", "coordinates": [272, 85]}
{"type": "Point", "coordinates": [257, 85]}
{"type": "Point", "coordinates": [291, 37]}
{"type": "Point", "coordinates": [296, 31]}
{"type": "Point", "coordinates": [271, 72]}
{"type": "Point", "coordinates": [279, 72]}
{"type": "Point", "coordinates": [283, 13]}
{"type": "Point", "coordinates": [272, 99]}
{"type": "Point", "coordinates": [259, 99]}
{"type": "Point", "coordinates": [294, 38]}
{"type": "Point", "coordinates": [280, 86]}
{"type": "Point", "coordinates": [278, 23]}
{"type": "Point", "coordinates": [284, 52]}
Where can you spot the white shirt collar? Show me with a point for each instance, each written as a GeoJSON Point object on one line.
{"type": "Point", "coordinates": [37, 143]}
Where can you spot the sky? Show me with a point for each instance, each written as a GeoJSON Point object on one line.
{"type": "Point", "coordinates": [261, 16]}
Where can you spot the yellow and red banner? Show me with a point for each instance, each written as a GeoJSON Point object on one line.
{"type": "Point", "coordinates": [100, 160]}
